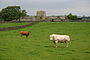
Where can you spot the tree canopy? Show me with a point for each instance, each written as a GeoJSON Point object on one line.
{"type": "Point", "coordinates": [12, 13]}
{"type": "Point", "coordinates": [71, 17]}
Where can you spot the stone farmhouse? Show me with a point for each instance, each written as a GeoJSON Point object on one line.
{"type": "Point", "coordinates": [41, 16]}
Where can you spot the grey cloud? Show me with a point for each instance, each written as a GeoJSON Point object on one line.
{"type": "Point", "coordinates": [51, 6]}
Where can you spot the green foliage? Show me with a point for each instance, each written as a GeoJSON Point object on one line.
{"type": "Point", "coordinates": [72, 17]}
{"type": "Point", "coordinates": [23, 13]}
{"type": "Point", "coordinates": [12, 13]}
{"type": "Point", "coordinates": [38, 46]}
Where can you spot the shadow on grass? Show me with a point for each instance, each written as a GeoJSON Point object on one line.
{"type": "Point", "coordinates": [87, 52]}
{"type": "Point", "coordinates": [55, 47]}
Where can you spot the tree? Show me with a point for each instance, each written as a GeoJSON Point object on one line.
{"type": "Point", "coordinates": [0, 14]}
{"type": "Point", "coordinates": [23, 13]}
{"type": "Point", "coordinates": [72, 17]}
{"type": "Point", "coordinates": [12, 13]}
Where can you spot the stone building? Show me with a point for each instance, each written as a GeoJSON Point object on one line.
{"type": "Point", "coordinates": [28, 18]}
{"type": "Point", "coordinates": [41, 15]}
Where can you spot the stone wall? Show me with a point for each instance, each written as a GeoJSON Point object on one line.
{"type": "Point", "coordinates": [17, 27]}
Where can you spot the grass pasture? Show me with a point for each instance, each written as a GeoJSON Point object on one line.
{"type": "Point", "coordinates": [38, 46]}
{"type": "Point", "coordinates": [12, 24]}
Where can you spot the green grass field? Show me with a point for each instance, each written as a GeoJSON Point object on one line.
{"type": "Point", "coordinates": [38, 46]}
{"type": "Point", "coordinates": [12, 24]}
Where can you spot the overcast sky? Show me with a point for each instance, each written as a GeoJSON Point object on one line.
{"type": "Point", "coordinates": [52, 7]}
